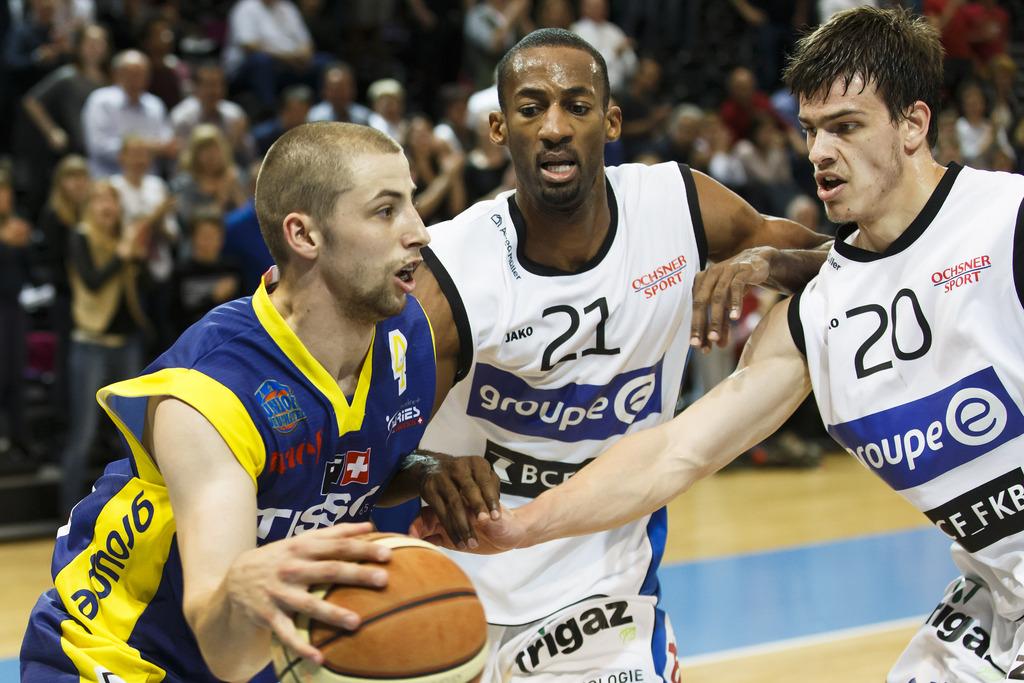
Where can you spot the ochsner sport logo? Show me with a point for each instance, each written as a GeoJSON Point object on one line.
{"type": "Point", "coordinates": [574, 412]}
{"type": "Point", "coordinates": [913, 443]}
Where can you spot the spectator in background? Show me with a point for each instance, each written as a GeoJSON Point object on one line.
{"type": "Point", "coordinates": [682, 142]}
{"type": "Point", "coordinates": [1006, 107]}
{"type": "Point", "coordinates": [437, 171]}
{"type": "Point", "coordinates": [168, 74]}
{"type": "Point", "coordinates": [147, 207]}
{"type": "Point", "coordinates": [490, 29]}
{"type": "Point", "coordinates": [488, 167]}
{"type": "Point", "coordinates": [826, 8]}
{"type": "Point", "coordinates": [990, 31]}
{"type": "Point", "coordinates": [125, 109]}
{"type": "Point", "coordinates": [204, 280]}
{"type": "Point", "coordinates": [15, 235]}
{"type": "Point", "coordinates": [610, 40]}
{"type": "Point", "coordinates": [104, 270]}
{"type": "Point", "coordinates": [979, 138]}
{"type": "Point", "coordinates": [805, 211]}
{"type": "Point", "coordinates": [339, 97]}
{"type": "Point", "coordinates": [743, 103]}
{"type": "Point", "coordinates": [953, 21]}
{"type": "Point", "coordinates": [774, 24]}
{"type": "Point", "coordinates": [387, 98]}
{"type": "Point", "coordinates": [207, 175]}
{"type": "Point", "coordinates": [207, 105]}
{"type": "Point", "coordinates": [296, 101]}
{"type": "Point", "coordinates": [69, 193]}
{"type": "Point", "coordinates": [554, 14]}
{"type": "Point", "coordinates": [724, 166]}
{"type": "Point", "coordinates": [642, 113]}
{"type": "Point", "coordinates": [36, 46]}
{"type": "Point", "coordinates": [269, 47]}
{"type": "Point", "coordinates": [454, 127]}
{"type": "Point", "coordinates": [766, 164]}
{"type": "Point", "coordinates": [947, 144]}
{"type": "Point", "coordinates": [243, 242]}
{"type": "Point", "coordinates": [54, 106]}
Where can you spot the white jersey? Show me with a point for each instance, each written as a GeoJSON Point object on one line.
{"type": "Point", "coordinates": [559, 365]}
{"type": "Point", "coordinates": [916, 356]}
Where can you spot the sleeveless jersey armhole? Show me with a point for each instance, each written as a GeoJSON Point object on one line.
{"type": "Point", "coordinates": [796, 328]}
{"type": "Point", "coordinates": [695, 216]}
{"type": "Point", "coordinates": [1018, 255]}
{"type": "Point", "coordinates": [459, 315]}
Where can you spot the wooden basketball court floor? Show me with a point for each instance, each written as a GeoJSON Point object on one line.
{"type": "Point", "coordinates": [795, 576]}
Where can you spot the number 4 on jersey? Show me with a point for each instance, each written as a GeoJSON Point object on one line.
{"type": "Point", "coordinates": [398, 344]}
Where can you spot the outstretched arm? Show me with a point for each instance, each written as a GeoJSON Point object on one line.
{"type": "Point", "coordinates": [644, 471]}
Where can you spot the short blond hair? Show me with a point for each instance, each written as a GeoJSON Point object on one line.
{"type": "Point", "coordinates": [306, 170]}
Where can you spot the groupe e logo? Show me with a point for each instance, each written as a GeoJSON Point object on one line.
{"type": "Point", "coordinates": [633, 397]}
{"type": "Point", "coordinates": [975, 416]}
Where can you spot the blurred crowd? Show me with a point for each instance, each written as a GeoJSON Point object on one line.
{"type": "Point", "coordinates": [131, 132]}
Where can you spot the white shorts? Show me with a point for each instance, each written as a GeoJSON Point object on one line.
{"type": "Point", "coordinates": [619, 639]}
{"type": "Point", "coordinates": [963, 641]}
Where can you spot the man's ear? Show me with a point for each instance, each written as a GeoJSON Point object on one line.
{"type": "Point", "coordinates": [612, 123]}
{"type": "Point", "coordinates": [499, 129]}
{"type": "Point", "coordinates": [915, 126]}
{"type": "Point", "coordinates": [301, 235]}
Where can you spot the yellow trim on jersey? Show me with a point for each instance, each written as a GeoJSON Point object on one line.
{"type": "Point", "coordinates": [430, 326]}
{"type": "Point", "coordinates": [218, 404]}
{"type": "Point", "coordinates": [350, 417]}
{"type": "Point", "coordinates": [110, 583]}
{"type": "Point", "coordinates": [93, 655]}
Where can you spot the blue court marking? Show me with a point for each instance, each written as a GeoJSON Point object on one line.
{"type": "Point", "coordinates": [739, 601]}
{"type": "Point", "coordinates": [743, 600]}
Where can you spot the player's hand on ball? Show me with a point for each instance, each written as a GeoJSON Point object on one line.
{"type": "Point", "coordinates": [270, 584]}
{"type": "Point", "coordinates": [459, 490]}
{"type": "Point", "coordinates": [491, 534]}
{"type": "Point", "coordinates": [718, 294]}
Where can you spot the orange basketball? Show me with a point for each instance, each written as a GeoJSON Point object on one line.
{"type": "Point", "coordinates": [426, 626]}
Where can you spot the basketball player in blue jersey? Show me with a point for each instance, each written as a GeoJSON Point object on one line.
{"type": "Point", "coordinates": [259, 442]}
{"type": "Point", "coordinates": [912, 337]}
{"type": "Point", "coordinates": [564, 308]}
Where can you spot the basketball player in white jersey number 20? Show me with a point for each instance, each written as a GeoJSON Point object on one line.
{"type": "Point", "coordinates": [563, 314]}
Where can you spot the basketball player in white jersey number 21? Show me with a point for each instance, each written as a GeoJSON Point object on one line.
{"type": "Point", "coordinates": [912, 336]}
{"type": "Point", "coordinates": [563, 314]}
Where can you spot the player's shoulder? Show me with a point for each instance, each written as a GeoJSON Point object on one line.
{"type": "Point", "coordinates": [667, 170]}
{"type": "Point", "coordinates": [219, 333]}
{"type": "Point", "coordinates": [475, 227]}
{"type": "Point", "coordinates": [994, 182]}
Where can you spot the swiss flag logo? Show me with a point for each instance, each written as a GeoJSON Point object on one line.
{"type": "Point", "coordinates": [357, 468]}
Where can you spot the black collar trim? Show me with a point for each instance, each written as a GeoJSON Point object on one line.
{"type": "Point", "coordinates": [913, 231]}
{"type": "Point", "coordinates": [544, 270]}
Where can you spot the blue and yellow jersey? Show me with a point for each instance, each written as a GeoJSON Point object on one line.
{"type": "Point", "coordinates": [316, 457]}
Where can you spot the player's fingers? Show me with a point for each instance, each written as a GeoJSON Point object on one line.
{"type": "Point", "coordinates": [446, 509]}
{"type": "Point", "coordinates": [306, 603]}
{"type": "Point", "coordinates": [306, 573]}
{"type": "Point", "coordinates": [343, 530]}
{"type": "Point", "coordinates": [701, 291]}
{"type": "Point", "coordinates": [471, 494]}
{"type": "Point", "coordinates": [427, 520]}
{"type": "Point", "coordinates": [717, 303]}
{"type": "Point", "coordinates": [351, 549]}
{"type": "Point", "coordinates": [736, 291]}
{"type": "Point", "coordinates": [284, 628]}
{"type": "Point", "coordinates": [454, 518]}
{"type": "Point", "coordinates": [490, 488]}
